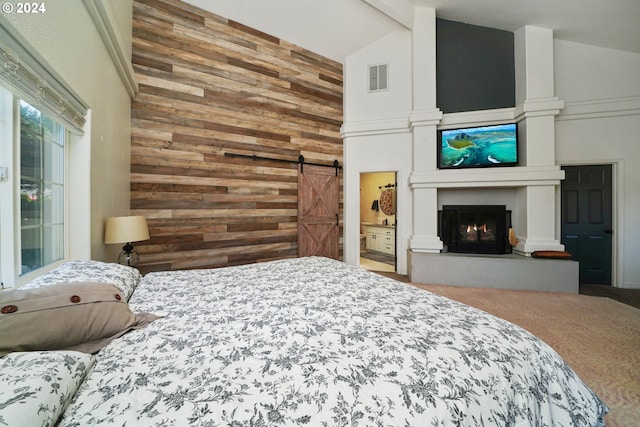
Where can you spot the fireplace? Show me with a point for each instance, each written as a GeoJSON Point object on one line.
{"type": "Point", "coordinates": [475, 229]}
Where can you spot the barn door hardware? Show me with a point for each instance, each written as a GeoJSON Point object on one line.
{"type": "Point", "coordinates": [300, 161]}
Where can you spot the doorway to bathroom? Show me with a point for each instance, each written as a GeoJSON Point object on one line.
{"type": "Point", "coordinates": [378, 201]}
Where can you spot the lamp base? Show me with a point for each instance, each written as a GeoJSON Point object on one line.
{"type": "Point", "coordinates": [128, 256]}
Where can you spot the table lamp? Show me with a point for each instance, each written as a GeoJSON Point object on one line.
{"type": "Point", "coordinates": [126, 229]}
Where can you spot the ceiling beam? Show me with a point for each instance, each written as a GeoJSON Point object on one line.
{"type": "Point", "coordinates": [105, 23]}
{"type": "Point", "coordinates": [400, 11]}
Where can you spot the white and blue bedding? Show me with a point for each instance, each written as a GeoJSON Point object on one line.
{"type": "Point", "coordinates": [313, 342]}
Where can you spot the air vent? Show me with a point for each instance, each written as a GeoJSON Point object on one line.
{"type": "Point", "coordinates": [378, 77]}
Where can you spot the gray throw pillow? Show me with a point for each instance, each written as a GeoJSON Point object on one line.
{"type": "Point", "coordinates": [74, 316]}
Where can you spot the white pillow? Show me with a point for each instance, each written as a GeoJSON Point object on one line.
{"type": "Point", "coordinates": [124, 278]}
{"type": "Point", "coordinates": [37, 386]}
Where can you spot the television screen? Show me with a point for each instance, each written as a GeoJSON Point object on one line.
{"type": "Point", "coordinates": [481, 146]}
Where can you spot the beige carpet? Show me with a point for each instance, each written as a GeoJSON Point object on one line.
{"type": "Point", "coordinates": [598, 337]}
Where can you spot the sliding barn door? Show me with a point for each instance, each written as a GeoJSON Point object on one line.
{"type": "Point", "coordinates": [318, 211]}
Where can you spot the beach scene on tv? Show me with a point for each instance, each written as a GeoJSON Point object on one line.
{"type": "Point", "coordinates": [479, 146]}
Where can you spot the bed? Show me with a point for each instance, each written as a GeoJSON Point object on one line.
{"type": "Point", "coordinates": [307, 341]}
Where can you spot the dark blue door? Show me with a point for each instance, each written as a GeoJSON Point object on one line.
{"type": "Point", "coordinates": [587, 220]}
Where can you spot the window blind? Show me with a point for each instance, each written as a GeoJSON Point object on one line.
{"type": "Point", "coordinates": [29, 76]}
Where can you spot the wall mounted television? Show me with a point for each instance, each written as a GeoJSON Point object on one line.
{"type": "Point", "coordinates": [478, 147]}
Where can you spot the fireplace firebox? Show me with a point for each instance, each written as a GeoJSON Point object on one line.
{"type": "Point", "coordinates": [475, 229]}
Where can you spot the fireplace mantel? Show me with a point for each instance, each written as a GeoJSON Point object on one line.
{"type": "Point", "coordinates": [520, 176]}
{"type": "Point", "coordinates": [534, 203]}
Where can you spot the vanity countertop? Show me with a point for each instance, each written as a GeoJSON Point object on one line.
{"type": "Point", "coordinates": [378, 225]}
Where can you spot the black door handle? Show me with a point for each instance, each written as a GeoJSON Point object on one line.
{"type": "Point", "coordinates": [608, 231]}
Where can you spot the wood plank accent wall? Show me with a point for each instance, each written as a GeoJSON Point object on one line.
{"type": "Point", "coordinates": [210, 86]}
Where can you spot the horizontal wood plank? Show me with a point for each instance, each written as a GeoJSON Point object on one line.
{"type": "Point", "coordinates": [208, 87]}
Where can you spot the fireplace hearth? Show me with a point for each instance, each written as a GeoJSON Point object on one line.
{"type": "Point", "coordinates": [475, 229]}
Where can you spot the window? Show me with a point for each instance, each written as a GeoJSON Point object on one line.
{"type": "Point", "coordinates": [38, 114]}
{"type": "Point", "coordinates": [378, 77]}
{"type": "Point", "coordinates": [42, 160]}
{"type": "Point", "coordinates": [32, 212]}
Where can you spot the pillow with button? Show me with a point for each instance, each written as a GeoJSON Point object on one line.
{"type": "Point", "coordinates": [81, 316]}
{"type": "Point", "coordinates": [123, 277]}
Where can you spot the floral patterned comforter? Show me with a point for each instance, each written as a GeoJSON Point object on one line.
{"type": "Point", "coordinates": [313, 341]}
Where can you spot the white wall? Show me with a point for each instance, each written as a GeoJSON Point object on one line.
{"type": "Point", "coordinates": [601, 124]}
{"type": "Point", "coordinates": [407, 113]}
{"type": "Point", "coordinates": [364, 106]}
{"type": "Point", "coordinates": [389, 147]}
{"type": "Point", "coordinates": [331, 28]}
{"type": "Point", "coordinates": [378, 153]}
{"type": "Point", "coordinates": [584, 72]}
{"type": "Point", "coordinates": [66, 38]}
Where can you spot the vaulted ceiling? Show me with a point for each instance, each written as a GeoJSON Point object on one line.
{"type": "Point", "coordinates": [337, 28]}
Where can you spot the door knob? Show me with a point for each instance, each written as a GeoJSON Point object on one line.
{"type": "Point", "coordinates": [608, 231]}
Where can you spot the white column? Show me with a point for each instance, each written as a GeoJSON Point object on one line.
{"type": "Point", "coordinates": [536, 105]}
{"type": "Point", "coordinates": [534, 63]}
{"type": "Point", "coordinates": [424, 119]}
{"type": "Point", "coordinates": [540, 224]}
{"type": "Point", "coordinates": [425, 221]}
{"type": "Point", "coordinates": [536, 108]}
{"type": "Point", "coordinates": [424, 59]}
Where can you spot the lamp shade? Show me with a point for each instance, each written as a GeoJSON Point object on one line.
{"type": "Point", "coordinates": [124, 229]}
